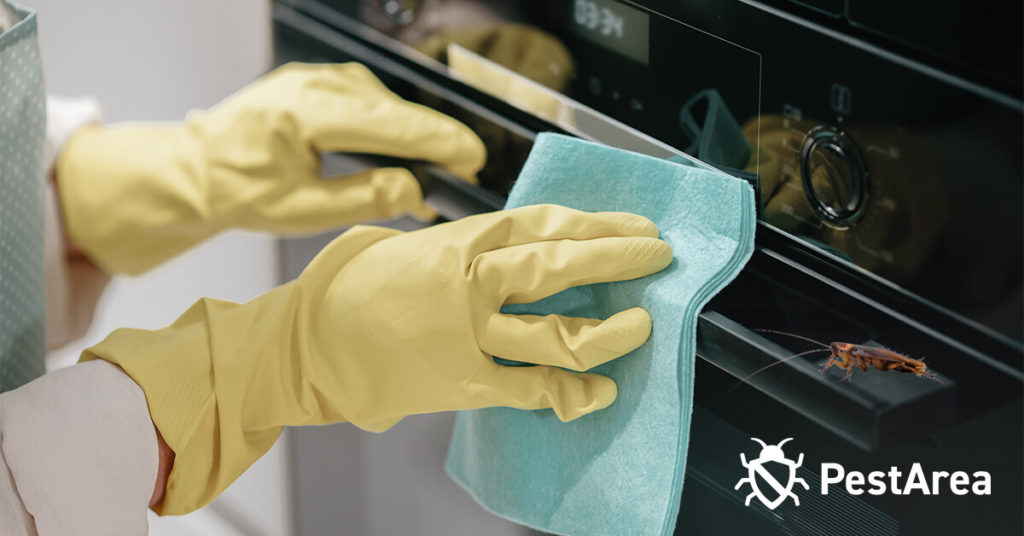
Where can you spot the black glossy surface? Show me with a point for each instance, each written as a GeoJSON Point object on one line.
{"type": "Point", "coordinates": [797, 287]}
{"type": "Point", "coordinates": [941, 147]}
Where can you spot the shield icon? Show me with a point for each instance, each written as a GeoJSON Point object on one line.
{"type": "Point", "coordinates": [774, 480]}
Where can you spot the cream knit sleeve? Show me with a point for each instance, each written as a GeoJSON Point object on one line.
{"type": "Point", "coordinates": [78, 454]}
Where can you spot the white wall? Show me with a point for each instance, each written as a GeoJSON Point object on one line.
{"type": "Point", "coordinates": [155, 60]}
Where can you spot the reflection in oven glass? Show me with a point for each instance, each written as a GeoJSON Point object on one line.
{"type": "Point", "coordinates": [901, 177]}
{"type": "Point", "coordinates": [886, 226]}
{"type": "Point", "coordinates": [431, 26]}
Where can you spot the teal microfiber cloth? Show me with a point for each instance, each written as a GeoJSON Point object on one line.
{"type": "Point", "coordinates": [619, 470]}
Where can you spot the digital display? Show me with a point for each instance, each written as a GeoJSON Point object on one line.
{"type": "Point", "coordinates": [613, 25]}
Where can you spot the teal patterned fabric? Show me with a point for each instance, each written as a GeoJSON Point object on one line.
{"type": "Point", "coordinates": [22, 172]}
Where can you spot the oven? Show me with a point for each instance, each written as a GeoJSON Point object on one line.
{"type": "Point", "coordinates": [885, 143]}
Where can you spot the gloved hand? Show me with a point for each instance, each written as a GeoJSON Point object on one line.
{"type": "Point", "coordinates": [381, 325]}
{"type": "Point", "coordinates": [135, 195]}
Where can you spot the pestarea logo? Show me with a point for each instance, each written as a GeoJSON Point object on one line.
{"type": "Point", "coordinates": [758, 468]}
{"type": "Point", "coordinates": [763, 477]}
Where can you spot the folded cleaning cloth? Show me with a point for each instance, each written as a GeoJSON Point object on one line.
{"type": "Point", "coordinates": [619, 470]}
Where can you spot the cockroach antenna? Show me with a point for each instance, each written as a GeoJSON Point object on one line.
{"type": "Point", "coordinates": [794, 335]}
{"type": "Point", "coordinates": [769, 365]}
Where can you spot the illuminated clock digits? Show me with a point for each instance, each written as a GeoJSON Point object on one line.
{"type": "Point", "coordinates": [587, 14]}
{"type": "Point", "coordinates": [605, 20]}
{"type": "Point", "coordinates": [611, 24]}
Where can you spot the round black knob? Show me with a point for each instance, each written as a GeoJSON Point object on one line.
{"type": "Point", "coordinates": [834, 178]}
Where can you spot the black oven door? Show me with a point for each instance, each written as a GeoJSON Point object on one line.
{"type": "Point", "coordinates": [968, 419]}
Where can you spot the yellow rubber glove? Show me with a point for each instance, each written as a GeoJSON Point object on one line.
{"type": "Point", "coordinates": [135, 195]}
{"type": "Point", "coordinates": [381, 325]}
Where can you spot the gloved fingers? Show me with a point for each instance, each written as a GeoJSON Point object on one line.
{"type": "Point", "coordinates": [570, 394]}
{"type": "Point", "coordinates": [396, 191]}
{"type": "Point", "coordinates": [373, 194]}
{"type": "Point", "coordinates": [349, 110]}
{"type": "Point", "coordinates": [530, 272]}
{"type": "Point", "coordinates": [424, 214]}
{"type": "Point", "coordinates": [568, 342]}
{"type": "Point", "coordinates": [535, 223]}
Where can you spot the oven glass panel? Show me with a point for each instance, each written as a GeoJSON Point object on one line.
{"type": "Point", "coordinates": [883, 162]}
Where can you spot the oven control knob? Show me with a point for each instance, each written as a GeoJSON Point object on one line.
{"type": "Point", "coordinates": [400, 12]}
{"type": "Point", "coordinates": [834, 177]}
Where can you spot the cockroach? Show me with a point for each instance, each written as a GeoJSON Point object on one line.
{"type": "Point", "coordinates": [847, 355]}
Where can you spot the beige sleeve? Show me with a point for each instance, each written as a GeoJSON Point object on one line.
{"type": "Point", "coordinates": [78, 454]}
{"type": "Point", "coordinates": [14, 519]}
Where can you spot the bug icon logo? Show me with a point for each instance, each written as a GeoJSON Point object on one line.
{"type": "Point", "coordinates": [756, 468]}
